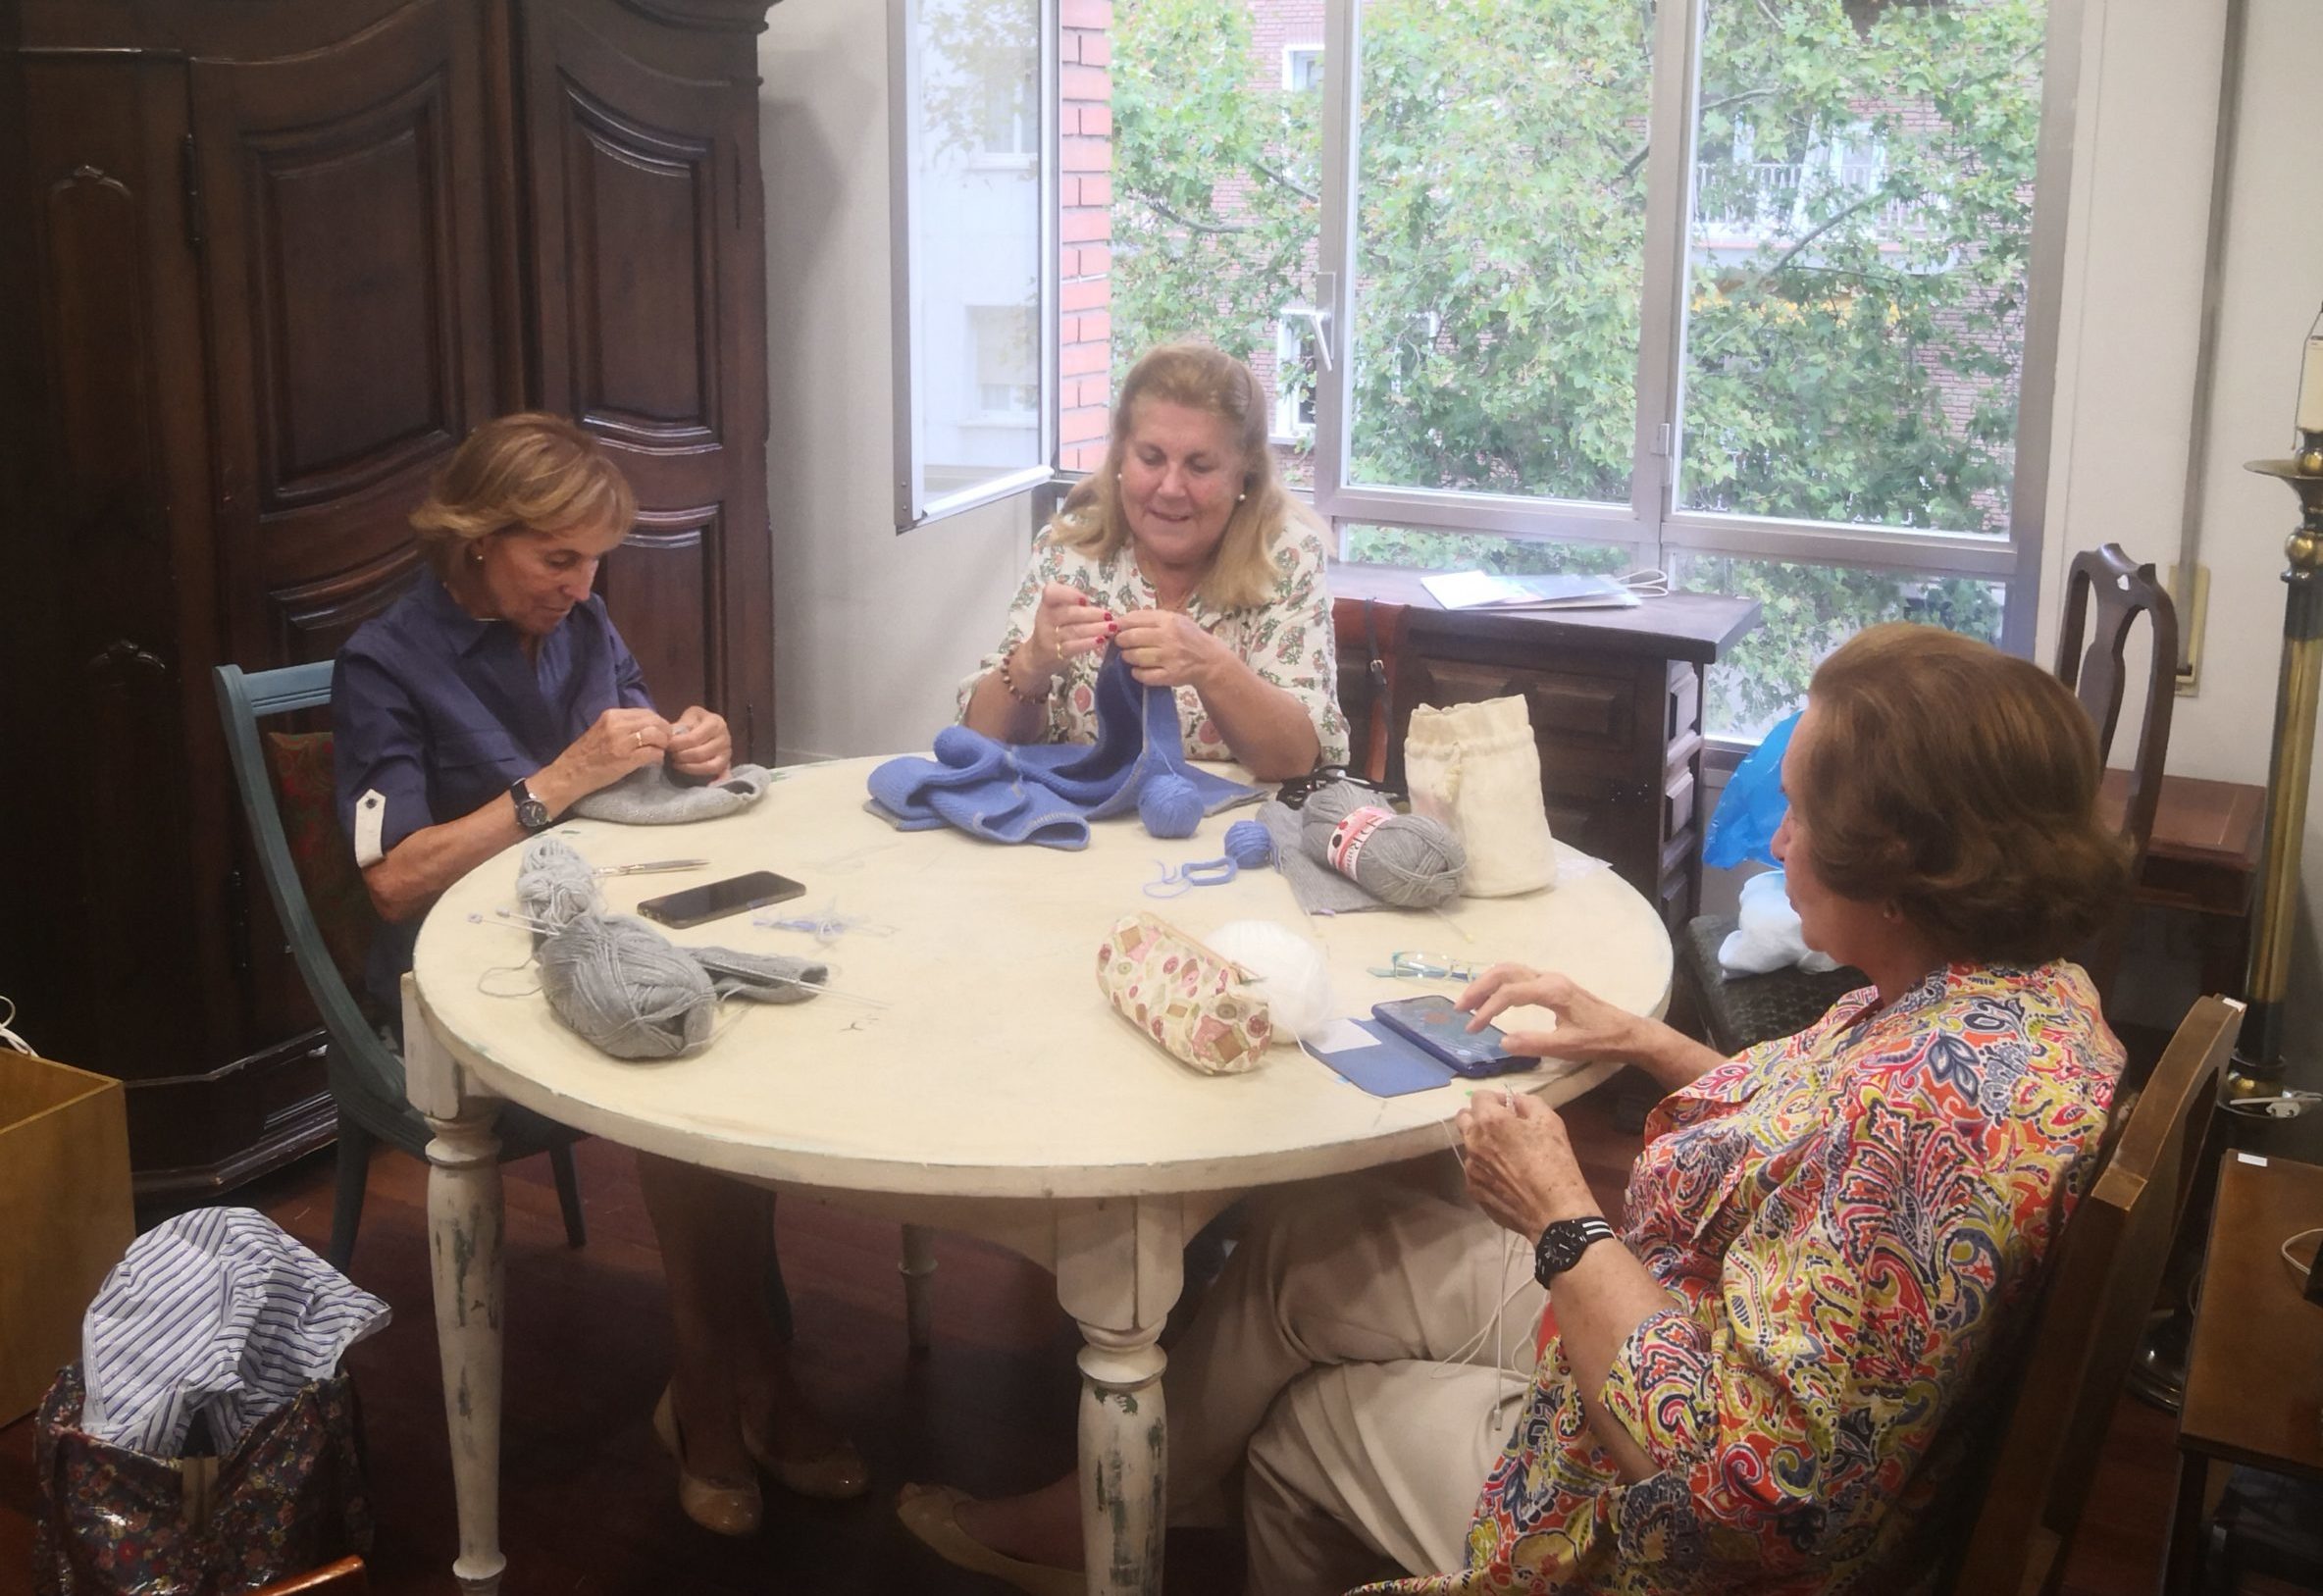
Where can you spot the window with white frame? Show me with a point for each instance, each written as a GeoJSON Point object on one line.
{"type": "Point", "coordinates": [1759, 291]}
{"type": "Point", "coordinates": [974, 262]}
{"type": "Point", "coordinates": [1294, 376]}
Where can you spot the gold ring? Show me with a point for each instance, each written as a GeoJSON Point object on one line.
{"type": "Point", "coordinates": [640, 737]}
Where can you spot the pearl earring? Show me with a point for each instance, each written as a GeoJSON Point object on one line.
{"type": "Point", "coordinates": [1239, 498]}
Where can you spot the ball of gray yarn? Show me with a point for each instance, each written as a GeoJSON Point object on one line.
{"type": "Point", "coordinates": [1409, 861]}
{"type": "Point", "coordinates": [554, 885]}
{"type": "Point", "coordinates": [625, 988]}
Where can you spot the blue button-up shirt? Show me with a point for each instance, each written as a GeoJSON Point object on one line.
{"type": "Point", "coordinates": [433, 713]}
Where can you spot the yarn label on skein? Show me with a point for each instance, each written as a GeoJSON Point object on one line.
{"type": "Point", "coordinates": [1348, 837]}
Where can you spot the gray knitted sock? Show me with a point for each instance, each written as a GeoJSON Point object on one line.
{"type": "Point", "coordinates": [763, 978]}
{"type": "Point", "coordinates": [649, 797]}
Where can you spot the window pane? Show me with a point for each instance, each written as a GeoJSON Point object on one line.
{"type": "Point", "coordinates": [1428, 550]}
{"type": "Point", "coordinates": [1806, 612]}
{"type": "Point", "coordinates": [1215, 188]}
{"type": "Point", "coordinates": [1862, 220]}
{"type": "Point", "coordinates": [975, 218]}
{"type": "Point", "coordinates": [1500, 213]}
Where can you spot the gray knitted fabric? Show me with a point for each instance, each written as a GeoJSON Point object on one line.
{"type": "Point", "coordinates": [649, 798]}
{"type": "Point", "coordinates": [1320, 889]}
{"type": "Point", "coordinates": [761, 978]}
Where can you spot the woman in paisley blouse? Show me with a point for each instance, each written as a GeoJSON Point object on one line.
{"type": "Point", "coordinates": [1186, 552]}
{"type": "Point", "coordinates": [1762, 1380]}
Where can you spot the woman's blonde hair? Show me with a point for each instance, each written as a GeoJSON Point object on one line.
{"type": "Point", "coordinates": [1959, 784]}
{"type": "Point", "coordinates": [527, 470]}
{"type": "Point", "coordinates": [1241, 574]}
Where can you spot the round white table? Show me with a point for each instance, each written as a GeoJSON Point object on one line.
{"type": "Point", "coordinates": [964, 1071]}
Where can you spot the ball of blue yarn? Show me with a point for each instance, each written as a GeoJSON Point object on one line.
{"type": "Point", "coordinates": [1169, 806]}
{"type": "Point", "coordinates": [1250, 844]}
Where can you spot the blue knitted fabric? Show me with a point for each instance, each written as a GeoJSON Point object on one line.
{"type": "Point", "coordinates": [1048, 793]}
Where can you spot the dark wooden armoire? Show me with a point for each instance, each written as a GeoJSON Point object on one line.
{"type": "Point", "coordinates": [262, 264]}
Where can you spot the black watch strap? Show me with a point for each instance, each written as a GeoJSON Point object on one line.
{"type": "Point", "coordinates": [531, 813]}
{"type": "Point", "coordinates": [1563, 1243]}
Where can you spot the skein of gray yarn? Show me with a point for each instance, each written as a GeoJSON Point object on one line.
{"type": "Point", "coordinates": [624, 987]}
{"type": "Point", "coordinates": [554, 884]}
{"type": "Point", "coordinates": [1409, 861]}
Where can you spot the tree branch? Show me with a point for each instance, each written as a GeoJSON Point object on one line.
{"type": "Point", "coordinates": [1630, 166]}
{"type": "Point", "coordinates": [1186, 221]}
{"type": "Point", "coordinates": [1286, 180]}
{"type": "Point", "coordinates": [1877, 196]}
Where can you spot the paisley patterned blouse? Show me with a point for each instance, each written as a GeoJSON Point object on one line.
{"type": "Point", "coordinates": [1286, 641]}
{"type": "Point", "coordinates": [1846, 1219]}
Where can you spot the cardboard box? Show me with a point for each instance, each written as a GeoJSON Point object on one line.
{"type": "Point", "coordinates": [64, 1214]}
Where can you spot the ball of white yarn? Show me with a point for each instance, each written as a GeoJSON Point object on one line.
{"type": "Point", "coordinates": [1290, 971]}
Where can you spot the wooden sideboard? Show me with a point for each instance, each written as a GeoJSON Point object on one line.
{"type": "Point", "coordinates": [1615, 698]}
{"type": "Point", "coordinates": [267, 263]}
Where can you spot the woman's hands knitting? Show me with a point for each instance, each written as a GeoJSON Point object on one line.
{"type": "Point", "coordinates": [1166, 649]}
{"type": "Point", "coordinates": [1066, 626]}
{"type": "Point", "coordinates": [1521, 1167]}
{"type": "Point", "coordinates": [619, 741]}
{"type": "Point", "coordinates": [701, 747]}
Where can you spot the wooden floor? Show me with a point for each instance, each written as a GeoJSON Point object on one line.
{"type": "Point", "coordinates": [589, 1505]}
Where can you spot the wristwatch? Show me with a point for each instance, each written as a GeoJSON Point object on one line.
{"type": "Point", "coordinates": [531, 813]}
{"type": "Point", "coordinates": [1561, 1246]}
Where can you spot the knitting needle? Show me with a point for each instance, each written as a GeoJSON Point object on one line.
{"type": "Point", "coordinates": [516, 922]}
{"type": "Point", "coordinates": [649, 867]}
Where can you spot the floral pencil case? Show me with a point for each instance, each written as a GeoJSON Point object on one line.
{"type": "Point", "coordinates": [1196, 1006]}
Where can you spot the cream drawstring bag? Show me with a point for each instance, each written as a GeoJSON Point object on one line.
{"type": "Point", "coordinates": [1475, 767]}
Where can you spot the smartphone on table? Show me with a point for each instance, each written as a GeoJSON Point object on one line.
{"type": "Point", "coordinates": [1441, 1031]}
{"type": "Point", "coordinates": [715, 900]}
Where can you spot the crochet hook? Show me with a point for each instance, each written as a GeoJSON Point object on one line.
{"type": "Point", "coordinates": [649, 867]}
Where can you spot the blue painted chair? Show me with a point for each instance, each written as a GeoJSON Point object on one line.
{"type": "Point", "coordinates": [364, 1073]}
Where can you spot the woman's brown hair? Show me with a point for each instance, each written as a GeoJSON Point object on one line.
{"type": "Point", "coordinates": [527, 470]}
{"type": "Point", "coordinates": [1241, 572]}
{"type": "Point", "coordinates": [1959, 784]}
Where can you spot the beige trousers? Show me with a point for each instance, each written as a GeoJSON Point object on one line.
{"type": "Point", "coordinates": [1366, 1350]}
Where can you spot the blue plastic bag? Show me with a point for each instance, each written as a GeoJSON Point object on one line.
{"type": "Point", "coordinates": [1751, 810]}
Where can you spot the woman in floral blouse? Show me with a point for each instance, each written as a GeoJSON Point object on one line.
{"type": "Point", "coordinates": [1184, 552]}
{"type": "Point", "coordinates": [1761, 1381]}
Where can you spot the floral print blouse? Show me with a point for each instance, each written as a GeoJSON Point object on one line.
{"type": "Point", "coordinates": [1846, 1220]}
{"type": "Point", "coordinates": [1286, 641]}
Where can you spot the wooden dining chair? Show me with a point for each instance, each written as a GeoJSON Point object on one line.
{"type": "Point", "coordinates": [1374, 646]}
{"type": "Point", "coordinates": [364, 1073]}
{"type": "Point", "coordinates": [2091, 1314]}
{"type": "Point", "coordinates": [2106, 592]}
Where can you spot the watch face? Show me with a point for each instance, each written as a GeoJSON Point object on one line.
{"type": "Point", "coordinates": [532, 815]}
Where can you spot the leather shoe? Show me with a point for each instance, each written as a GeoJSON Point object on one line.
{"type": "Point", "coordinates": [931, 1512]}
{"type": "Point", "coordinates": [838, 1474]}
{"type": "Point", "coordinates": [724, 1507]}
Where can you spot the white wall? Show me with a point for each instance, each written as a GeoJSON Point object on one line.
{"type": "Point", "coordinates": [2126, 357]}
{"type": "Point", "coordinates": [873, 630]}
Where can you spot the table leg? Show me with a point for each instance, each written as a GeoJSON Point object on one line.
{"type": "Point", "coordinates": [2182, 1565]}
{"type": "Point", "coordinates": [1124, 1463]}
{"type": "Point", "coordinates": [464, 1244]}
{"type": "Point", "coordinates": [918, 1269]}
{"type": "Point", "coordinates": [1120, 1263]}
{"type": "Point", "coordinates": [465, 1225]}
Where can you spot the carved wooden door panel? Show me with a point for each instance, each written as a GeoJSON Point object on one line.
{"type": "Point", "coordinates": [348, 302]}
{"type": "Point", "coordinates": [647, 262]}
